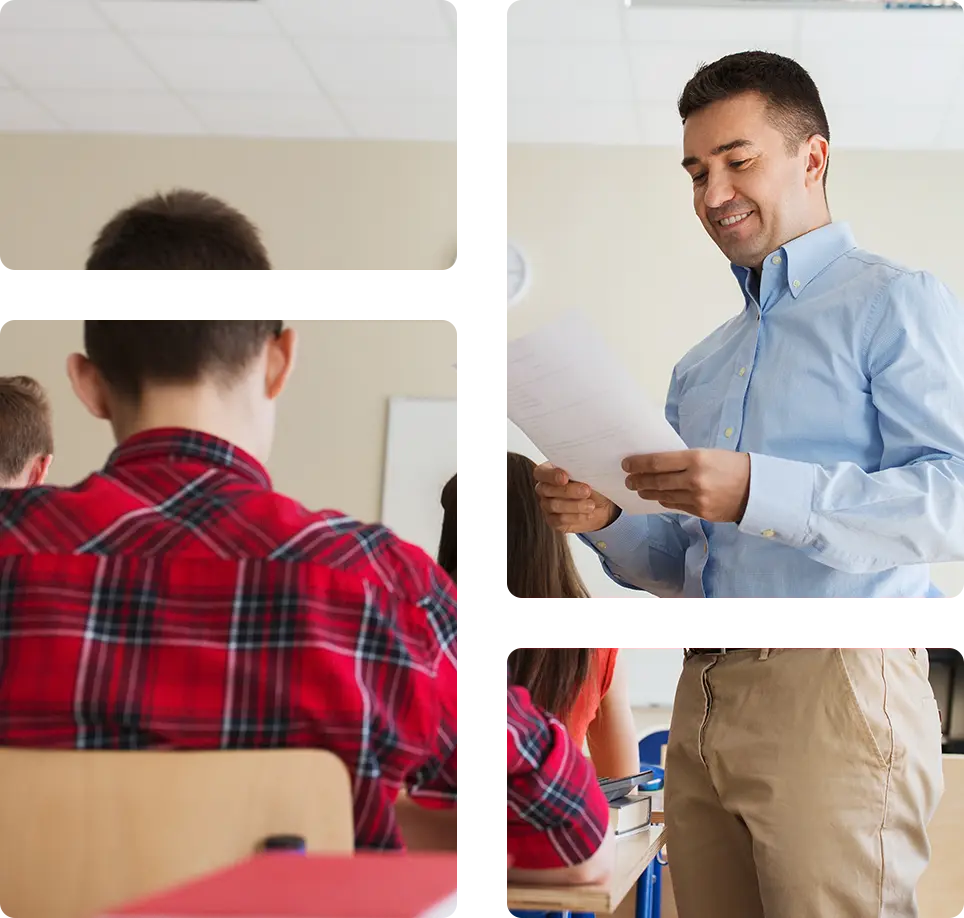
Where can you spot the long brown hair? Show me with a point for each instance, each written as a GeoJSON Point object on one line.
{"type": "Point", "coordinates": [540, 565]}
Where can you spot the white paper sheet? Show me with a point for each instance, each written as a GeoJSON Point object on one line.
{"type": "Point", "coordinates": [582, 408]}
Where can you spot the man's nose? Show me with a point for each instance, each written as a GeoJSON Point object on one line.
{"type": "Point", "coordinates": [718, 191]}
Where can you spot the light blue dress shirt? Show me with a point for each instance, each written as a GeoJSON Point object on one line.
{"type": "Point", "coordinates": [843, 378]}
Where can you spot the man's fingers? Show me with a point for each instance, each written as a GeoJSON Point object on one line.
{"type": "Point", "coordinates": [568, 522]}
{"type": "Point", "coordinates": [664, 481]}
{"type": "Point", "coordinates": [562, 505]}
{"type": "Point", "coordinates": [575, 490]}
{"type": "Point", "coordinates": [657, 463]}
{"type": "Point", "coordinates": [667, 497]}
{"type": "Point", "coordinates": [547, 473]}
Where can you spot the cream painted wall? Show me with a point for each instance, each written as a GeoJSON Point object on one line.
{"type": "Point", "coordinates": [611, 231]}
{"type": "Point", "coordinates": [336, 204]}
{"type": "Point", "coordinates": [330, 441]}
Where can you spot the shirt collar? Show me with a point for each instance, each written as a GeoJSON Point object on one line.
{"type": "Point", "coordinates": [174, 443]}
{"type": "Point", "coordinates": [794, 265]}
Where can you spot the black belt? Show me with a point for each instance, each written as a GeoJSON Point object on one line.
{"type": "Point", "coordinates": [700, 651]}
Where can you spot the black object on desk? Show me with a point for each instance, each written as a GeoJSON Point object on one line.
{"type": "Point", "coordinates": [291, 843]}
{"type": "Point", "coordinates": [614, 788]}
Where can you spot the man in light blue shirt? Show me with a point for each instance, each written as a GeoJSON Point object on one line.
{"type": "Point", "coordinates": [826, 426]}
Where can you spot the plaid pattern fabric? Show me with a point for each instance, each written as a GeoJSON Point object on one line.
{"type": "Point", "coordinates": [557, 813]}
{"type": "Point", "coordinates": [173, 600]}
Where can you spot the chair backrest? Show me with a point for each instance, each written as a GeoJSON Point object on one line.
{"type": "Point", "coordinates": [652, 747]}
{"type": "Point", "coordinates": [81, 831]}
{"type": "Point", "coordinates": [940, 893]}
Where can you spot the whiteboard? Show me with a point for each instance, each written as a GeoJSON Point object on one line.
{"type": "Point", "coordinates": [420, 457]}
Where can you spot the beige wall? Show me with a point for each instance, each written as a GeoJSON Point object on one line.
{"type": "Point", "coordinates": [334, 204]}
{"type": "Point", "coordinates": [330, 441]}
{"type": "Point", "coordinates": [611, 231]}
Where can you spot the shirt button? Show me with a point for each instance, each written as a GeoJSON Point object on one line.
{"type": "Point", "coordinates": [777, 259]}
{"type": "Point", "coordinates": [728, 432]}
{"type": "Point", "coordinates": [796, 283]}
{"type": "Point", "coordinates": [768, 533]}
{"type": "Point", "coordinates": [601, 546]}
{"type": "Point", "coordinates": [742, 371]}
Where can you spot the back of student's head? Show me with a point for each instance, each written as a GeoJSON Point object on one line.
{"type": "Point", "coordinates": [132, 354]}
{"type": "Point", "coordinates": [26, 430]}
{"type": "Point", "coordinates": [553, 676]}
{"type": "Point", "coordinates": [539, 562]}
{"type": "Point", "coordinates": [185, 230]}
{"type": "Point", "coordinates": [447, 555]}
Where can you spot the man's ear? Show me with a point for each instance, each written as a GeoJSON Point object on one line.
{"type": "Point", "coordinates": [88, 386]}
{"type": "Point", "coordinates": [37, 470]}
{"type": "Point", "coordinates": [280, 363]}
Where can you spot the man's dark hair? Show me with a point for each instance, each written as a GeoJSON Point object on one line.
{"type": "Point", "coordinates": [792, 97]}
{"type": "Point", "coordinates": [129, 354]}
{"type": "Point", "coordinates": [184, 230]}
{"type": "Point", "coordinates": [26, 429]}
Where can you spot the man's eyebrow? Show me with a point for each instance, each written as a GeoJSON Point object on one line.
{"type": "Point", "coordinates": [716, 151]}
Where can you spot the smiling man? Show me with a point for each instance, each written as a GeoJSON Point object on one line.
{"type": "Point", "coordinates": [826, 459]}
{"type": "Point", "coordinates": [824, 421]}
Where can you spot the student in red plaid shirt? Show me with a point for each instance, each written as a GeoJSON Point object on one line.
{"type": "Point", "coordinates": [174, 600]}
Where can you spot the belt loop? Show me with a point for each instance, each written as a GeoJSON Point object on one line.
{"type": "Point", "coordinates": [764, 653]}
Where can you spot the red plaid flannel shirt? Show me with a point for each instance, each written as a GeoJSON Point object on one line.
{"type": "Point", "coordinates": [557, 814]}
{"type": "Point", "coordinates": [173, 600]}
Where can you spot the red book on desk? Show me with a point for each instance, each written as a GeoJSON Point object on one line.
{"type": "Point", "coordinates": [294, 886]}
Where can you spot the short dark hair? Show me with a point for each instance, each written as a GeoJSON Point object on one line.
{"type": "Point", "coordinates": [185, 230]}
{"type": "Point", "coordinates": [792, 98]}
{"type": "Point", "coordinates": [129, 354]}
{"type": "Point", "coordinates": [26, 429]}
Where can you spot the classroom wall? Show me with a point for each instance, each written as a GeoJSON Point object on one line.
{"type": "Point", "coordinates": [319, 204]}
{"type": "Point", "coordinates": [330, 441]}
{"type": "Point", "coordinates": [611, 231]}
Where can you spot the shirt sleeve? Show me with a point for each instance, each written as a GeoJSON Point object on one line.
{"type": "Point", "coordinates": [435, 785]}
{"type": "Point", "coordinates": [910, 510]}
{"type": "Point", "coordinates": [645, 552]}
{"type": "Point", "coordinates": [557, 814]}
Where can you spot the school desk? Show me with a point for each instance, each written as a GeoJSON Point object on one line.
{"type": "Point", "coordinates": [632, 857]}
{"type": "Point", "coordinates": [288, 885]}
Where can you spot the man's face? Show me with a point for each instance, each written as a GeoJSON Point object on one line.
{"type": "Point", "coordinates": [749, 193]}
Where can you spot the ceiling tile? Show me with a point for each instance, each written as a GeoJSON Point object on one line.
{"type": "Point", "coordinates": [885, 127]}
{"type": "Point", "coordinates": [874, 73]}
{"type": "Point", "coordinates": [218, 17]}
{"type": "Point", "coordinates": [18, 113]}
{"type": "Point", "coordinates": [121, 112]}
{"type": "Point", "coordinates": [64, 15]}
{"type": "Point", "coordinates": [420, 119]}
{"type": "Point", "coordinates": [610, 123]}
{"type": "Point", "coordinates": [581, 73]}
{"type": "Point", "coordinates": [383, 70]}
{"type": "Point", "coordinates": [209, 63]}
{"type": "Point", "coordinates": [747, 28]}
{"type": "Point", "coordinates": [661, 70]}
{"type": "Point", "coordinates": [74, 60]}
{"type": "Point", "coordinates": [565, 20]}
{"type": "Point", "coordinates": [268, 115]}
{"type": "Point", "coordinates": [478, 20]}
{"type": "Point", "coordinates": [940, 27]}
{"type": "Point", "coordinates": [360, 18]}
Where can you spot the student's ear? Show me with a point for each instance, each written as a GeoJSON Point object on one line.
{"type": "Point", "coordinates": [88, 386]}
{"type": "Point", "coordinates": [37, 473]}
{"type": "Point", "coordinates": [280, 363]}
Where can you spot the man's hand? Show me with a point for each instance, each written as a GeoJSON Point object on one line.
{"type": "Point", "coordinates": [713, 484]}
{"type": "Point", "coordinates": [571, 506]}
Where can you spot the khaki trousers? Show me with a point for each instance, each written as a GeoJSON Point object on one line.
{"type": "Point", "coordinates": [799, 783]}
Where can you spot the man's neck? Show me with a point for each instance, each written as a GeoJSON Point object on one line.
{"type": "Point", "coordinates": [819, 223]}
{"type": "Point", "coordinates": [201, 408]}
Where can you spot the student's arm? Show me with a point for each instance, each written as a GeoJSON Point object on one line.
{"type": "Point", "coordinates": [612, 733]}
{"type": "Point", "coordinates": [911, 511]}
{"type": "Point", "coordinates": [645, 552]}
{"type": "Point", "coordinates": [557, 823]}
